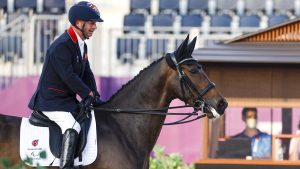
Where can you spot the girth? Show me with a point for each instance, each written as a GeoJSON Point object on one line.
{"type": "Point", "coordinates": [37, 118]}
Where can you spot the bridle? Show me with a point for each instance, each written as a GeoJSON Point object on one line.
{"type": "Point", "coordinates": [198, 102]}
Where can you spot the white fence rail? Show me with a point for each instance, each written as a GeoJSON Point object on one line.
{"type": "Point", "coordinates": [23, 44]}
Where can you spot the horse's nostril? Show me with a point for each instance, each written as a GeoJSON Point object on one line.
{"type": "Point", "coordinates": [222, 105]}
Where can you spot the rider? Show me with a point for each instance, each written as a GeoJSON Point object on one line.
{"type": "Point", "coordinates": [67, 73]}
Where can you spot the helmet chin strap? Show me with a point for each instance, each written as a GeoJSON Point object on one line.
{"type": "Point", "coordinates": [82, 30]}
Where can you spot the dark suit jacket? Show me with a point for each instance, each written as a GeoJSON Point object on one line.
{"type": "Point", "coordinates": [65, 74]}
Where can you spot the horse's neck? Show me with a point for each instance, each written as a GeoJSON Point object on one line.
{"type": "Point", "coordinates": [148, 91]}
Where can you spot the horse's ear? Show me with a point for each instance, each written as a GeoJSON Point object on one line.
{"type": "Point", "coordinates": [181, 49]}
{"type": "Point", "coordinates": [191, 46]}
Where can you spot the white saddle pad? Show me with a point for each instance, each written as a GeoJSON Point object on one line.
{"type": "Point", "coordinates": [34, 140]}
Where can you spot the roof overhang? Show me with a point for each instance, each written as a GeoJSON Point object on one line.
{"type": "Point", "coordinates": [249, 52]}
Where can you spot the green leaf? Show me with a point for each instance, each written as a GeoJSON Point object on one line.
{"type": "Point", "coordinates": [5, 163]}
{"type": "Point", "coordinates": [43, 154]}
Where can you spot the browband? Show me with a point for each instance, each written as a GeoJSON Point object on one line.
{"type": "Point", "coordinates": [172, 62]}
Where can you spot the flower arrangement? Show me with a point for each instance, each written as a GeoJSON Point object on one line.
{"type": "Point", "coordinates": [160, 160]}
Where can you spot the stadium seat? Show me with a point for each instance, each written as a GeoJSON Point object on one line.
{"type": "Point", "coordinates": [54, 6]}
{"type": "Point", "coordinates": [191, 21]}
{"type": "Point", "coordinates": [249, 21]}
{"type": "Point", "coordinates": [255, 5]}
{"type": "Point", "coordinates": [140, 5]}
{"type": "Point", "coordinates": [19, 47]}
{"type": "Point", "coordinates": [277, 19]}
{"type": "Point", "coordinates": [169, 6]}
{"type": "Point", "coordinates": [156, 48]}
{"type": "Point", "coordinates": [220, 24]}
{"type": "Point", "coordinates": [162, 23]}
{"type": "Point", "coordinates": [283, 5]}
{"type": "Point", "coordinates": [1, 48]}
{"type": "Point", "coordinates": [220, 21]}
{"type": "Point", "coordinates": [163, 20]}
{"type": "Point", "coordinates": [25, 4]}
{"type": "Point", "coordinates": [227, 4]}
{"type": "Point", "coordinates": [196, 6]}
{"type": "Point", "coordinates": [3, 5]}
{"type": "Point", "coordinates": [127, 49]}
{"type": "Point", "coordinates": [134, 22]}
{"type": "Point", "coordinates": [9, 45]}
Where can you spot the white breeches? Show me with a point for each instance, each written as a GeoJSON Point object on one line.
{"type": "Point", "coordinates": [64, 119]}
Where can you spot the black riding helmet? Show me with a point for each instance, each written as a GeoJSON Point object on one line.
{"type": "Point", "coordinates": [85, 11]}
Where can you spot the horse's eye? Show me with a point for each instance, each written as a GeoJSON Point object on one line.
{"type": "Point", "coordinates": [194, 70]}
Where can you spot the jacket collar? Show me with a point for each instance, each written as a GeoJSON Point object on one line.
{"type": "Point", "coordinates": [72, 34]}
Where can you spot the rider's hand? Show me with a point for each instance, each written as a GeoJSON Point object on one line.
{"type": "Point", "coordinates": [97, 101]}
{"type": "Point", "coordinates": [86, 102]}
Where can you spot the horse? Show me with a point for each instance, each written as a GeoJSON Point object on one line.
{"type": "Point", "coordinates": [126, 140]}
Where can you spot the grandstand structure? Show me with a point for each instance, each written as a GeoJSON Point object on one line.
{"type": "Point", "coordinates": [132, 35]}
{"type": "Point", "coordinates": [26, 30]}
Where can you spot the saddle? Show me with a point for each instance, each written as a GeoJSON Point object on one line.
{"type": "Point", "coordinates": [37, 118]}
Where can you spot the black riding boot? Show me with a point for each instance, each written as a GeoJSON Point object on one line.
{"type": "Point", "coordinates": [69, 144]}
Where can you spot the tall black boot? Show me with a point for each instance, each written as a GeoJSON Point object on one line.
{"type": "Point", "coordinates": [69, 144]}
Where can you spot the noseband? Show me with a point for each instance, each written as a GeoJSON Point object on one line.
{"type": "Point", "coordinates": [199, 101]}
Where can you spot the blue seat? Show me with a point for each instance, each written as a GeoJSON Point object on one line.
{"type": "Point", "coordinates": [249, 21]}
{"type": "Point", "coordinates": [191, 21]}
{"type": "Point", "coordinates": [227, 4]}
{"type": "Point", "coordinates": [284, 4]}
{"type": "Point", "coordinates": [1, 48]}
{"type": "Point", "coordinates": [167, 6]}
{"type": "Point", "coordinates": [3, 5]}
{"type": "Point", "coordinates": [142, 5]}
{"type": "Point", "coordinates": [277, 19]}
{"type": "Point", "coordinates": [220, 21]}
{"type": "Point", "coordinates": [54, 6]}
{"type": "Point", "coordinates": [255, 5]}
{"type": "Point", "coordinates": [134, 23]}
{"type": "Point", "coordinates": [163, 20]}
{"type": "Point", "coordinates": [19, 47]}
{"type": "Point", "coordinates": [21, 4]}
{"type": "Point", "coordinates": [197, 5]}
{"type": "Point", "coordinates": [156, 48]}
{"type": "Point", "coordinates": [134, 20]}
{"type": "Point", "coordinates": [127, 49]}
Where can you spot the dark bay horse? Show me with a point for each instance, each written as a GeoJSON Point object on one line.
{"type": "Point", "coordinates": [126, 140]}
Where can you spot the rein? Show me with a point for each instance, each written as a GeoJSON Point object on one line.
{"type": "Point", "coordinates": [198, 105]}
{"type": "Point", "coordinates": [148, 112]}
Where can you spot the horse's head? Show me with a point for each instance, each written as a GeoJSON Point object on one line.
{"type": "Point", "coordinates": [188, 81]}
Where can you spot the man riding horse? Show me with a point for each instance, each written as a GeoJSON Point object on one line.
{"type": "Point", "coordinates": [67, 73]}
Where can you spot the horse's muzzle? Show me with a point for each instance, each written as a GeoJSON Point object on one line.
{"type": "Point", "coordinates": [221, 106]}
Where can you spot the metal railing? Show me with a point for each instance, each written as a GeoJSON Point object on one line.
{"type": "Point", "coordinates": [23, 45]}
